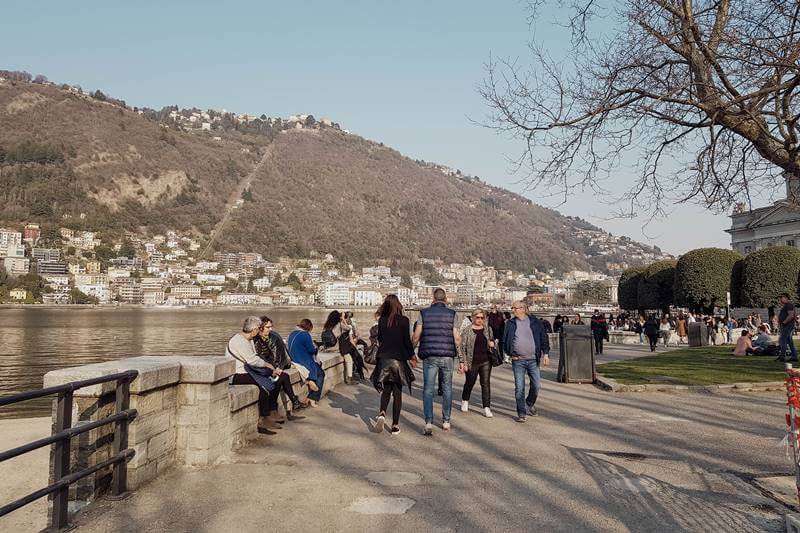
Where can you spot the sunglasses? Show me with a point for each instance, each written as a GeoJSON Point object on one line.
{"type": "Point", "coordinates": [478, 317]}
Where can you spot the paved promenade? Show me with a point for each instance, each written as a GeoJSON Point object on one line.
{"type": "Point", "coordinates": [593, 461]}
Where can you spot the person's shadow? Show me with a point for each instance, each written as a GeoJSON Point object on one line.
{"type": "Point", "coordinates": [361, 406]}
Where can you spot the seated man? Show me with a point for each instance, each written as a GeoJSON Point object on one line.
{"type": "Point", "coordinates": [762, 344]}
{"type": "Point", "coordinates": [744, 346]}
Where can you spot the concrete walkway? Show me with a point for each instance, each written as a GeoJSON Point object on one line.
{"type": "Point", "coordinates": [593, 461]}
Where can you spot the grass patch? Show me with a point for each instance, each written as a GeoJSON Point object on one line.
{"type": "Point", "coordinates": [706, 365]}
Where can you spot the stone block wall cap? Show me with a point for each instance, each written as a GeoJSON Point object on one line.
{"type": "Point", "coordinates": [154, 372]}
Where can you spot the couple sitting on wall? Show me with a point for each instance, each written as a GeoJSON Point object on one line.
{"type": "Point", "coordinates": [262, 359]}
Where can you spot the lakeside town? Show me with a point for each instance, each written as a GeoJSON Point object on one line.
{"type": "Point", "coordinates": [78, 267]}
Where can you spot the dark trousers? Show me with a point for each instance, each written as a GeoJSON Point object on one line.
{"type": "Point", "coordinates": [484, 371]}
{"type": "Point", "coordinates": [268, 401]}
{"type": "Point", "coordinates": [598, 343]}
{"type": "Point", "coordinates": [785, 341]}
{"type": "Point", "coordinates": [653, 341]}
{"type": "Point", "coordinates": [392, 389]}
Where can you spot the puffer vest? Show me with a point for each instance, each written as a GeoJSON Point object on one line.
{"type": "Point", "coordinates": [437, 332]}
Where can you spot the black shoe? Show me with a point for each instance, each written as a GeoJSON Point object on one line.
{"type": "Point", "coordinates": [266, 431]}
{"type": "Point", "coordinates": [297, 404]}
{"type": "Point", "coordinates": [792, 360]}
{"type": "Point", "coordinates": [532, 411]}
{"type": "Point", "coordinates": [781, 359]}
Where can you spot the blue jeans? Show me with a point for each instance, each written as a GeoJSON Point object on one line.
{"type": "Point", "coordinates": [520, 368]}
{"type": "Point", "coordinates": [785, 339]}
{"type": "Point", "coordinates": [430, 372]}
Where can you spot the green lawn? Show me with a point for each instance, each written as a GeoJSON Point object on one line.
{"type": "Point", "coordinates": [705, 365]}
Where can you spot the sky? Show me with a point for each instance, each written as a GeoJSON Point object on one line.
{"type": "Point", "coordinates": [402, 73]}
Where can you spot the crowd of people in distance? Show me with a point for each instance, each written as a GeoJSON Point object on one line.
{"type": "Point", "coordinates": [437, 342]}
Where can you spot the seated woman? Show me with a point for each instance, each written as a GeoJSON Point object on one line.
{"type": "Point", "coordinates": [270, 347]}
{"type": "Point", "coordinates": [303, 352]}
{"type": "Point", "coordinates": [744, 345]}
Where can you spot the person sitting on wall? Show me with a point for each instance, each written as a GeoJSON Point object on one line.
{"type": "Point", "coordinates": [303, 352]}
{"type": "Point", "coordinates": [270, 347]}
{"type": "Point", "coordinates": [252, 370]}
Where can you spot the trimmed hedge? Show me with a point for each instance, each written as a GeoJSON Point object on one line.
{"type": "Point", "coordinates": [736, 283]}
{"type": "Point", "coordinates": [703, 277]}
{"type": "Point", "coordinates": [628, 290]}
{"type": "Point", "coordinates": [768, 272]}
{"type": "Point", "coordinates": [656, 286]}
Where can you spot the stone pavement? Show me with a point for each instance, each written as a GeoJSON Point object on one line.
{"type": "Point", "coordinates": [593, 461]}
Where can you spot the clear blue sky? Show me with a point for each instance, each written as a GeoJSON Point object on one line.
{"type": "Point", "coordinates": [403, 73]}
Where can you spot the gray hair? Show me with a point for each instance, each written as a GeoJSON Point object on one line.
{"type": "Point", "coordinates": [521, 304]}
{"type": "Point", "coordinates": [251, 323]}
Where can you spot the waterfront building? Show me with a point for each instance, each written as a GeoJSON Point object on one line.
{"type": "Point", "coordinates": [185, 291]}
{"type": "Point", "coordinates": [131, 293]}
{"type": "Point", "coordinates": [335, 293]}
{"type": "Point", "coordinates": [91, 279]}
{"type": "Point", "coordinates": [99, 291]}
{"type": "Point", "coordinates": [232, 298]}
{"type": "Point", "coordinates": [363, 296]}
{"type": "Point", "coordinates": [153, 296]}
{"type": "Point", "coordinates": [774, 225]}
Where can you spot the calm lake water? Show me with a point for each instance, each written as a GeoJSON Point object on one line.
{"type": "Point", "coordinates": [34, 341]}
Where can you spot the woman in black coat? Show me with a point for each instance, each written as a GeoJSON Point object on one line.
{"type": "Point", "coordinates": [651, 330]}
{"type": "Point", "coordinates": [395, 358]}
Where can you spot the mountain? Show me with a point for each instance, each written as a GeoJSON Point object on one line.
{"type": "Point", "coordinates": [277, 187]}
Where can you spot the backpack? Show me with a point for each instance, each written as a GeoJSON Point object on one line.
{"type": "Point", "coordinates": [328, 338]}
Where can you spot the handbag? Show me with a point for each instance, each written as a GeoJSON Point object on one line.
{"type": "Point", "coordinates": [494, 356]}
{"type": "Point", "coordinates": [371, 354]}
{"type": "Point", "coordinates": [262, 376]}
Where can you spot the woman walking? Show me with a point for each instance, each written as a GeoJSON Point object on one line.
{"type": "Point", "coordinates": [477, 343]}
{"type": "Point", "coordinates": [392, 370]}
{"type": "Point", "coordinates": [303, 352]}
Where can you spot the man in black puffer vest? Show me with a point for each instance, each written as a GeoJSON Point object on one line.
{"type": "Point", "coordinates": [438, 338]}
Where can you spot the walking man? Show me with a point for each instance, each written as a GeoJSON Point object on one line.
{"type": "Point", "coordinates": [438, 337]}
{"type": "Point", "coordinates": [599, 328]}
{"type": "Point", "coordinates": [529, 348]}
{"type": "Point", "coordinates": [786, 321]}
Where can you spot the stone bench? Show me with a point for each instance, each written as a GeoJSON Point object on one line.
{"type": "Point", "coordinates": [188, 415]}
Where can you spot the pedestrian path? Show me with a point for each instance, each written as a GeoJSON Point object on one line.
{"type": "Point", "coordinates": [592, 461]}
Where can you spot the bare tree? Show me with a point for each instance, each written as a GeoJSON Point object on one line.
{"type": "Point", "coordinates": [709, 84]}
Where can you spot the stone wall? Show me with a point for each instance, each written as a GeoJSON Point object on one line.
{"type": "Point", "coordinates": [188, 415]}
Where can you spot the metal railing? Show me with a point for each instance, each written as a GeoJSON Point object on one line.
{"type": "Point", "coordinates": [64, 431]}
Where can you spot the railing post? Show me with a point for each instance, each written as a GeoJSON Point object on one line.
{"type": "Point", "coordinates": [120, 481]}
{"type": "Point", "coordinates": [61, 467]}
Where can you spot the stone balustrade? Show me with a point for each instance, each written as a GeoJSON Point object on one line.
{"type": "Point", "coordinates": [188, 415]}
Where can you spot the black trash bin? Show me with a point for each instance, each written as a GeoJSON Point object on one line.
{"type": "Point", "coordinates": [576, 355]}
{"type": "Point", "coordinates": [698, 334]}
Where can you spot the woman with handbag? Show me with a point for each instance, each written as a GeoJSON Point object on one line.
{"type": "Point", "coordinates": [392, 368]}
{"type": "Point", "coordinates": [478, 355]}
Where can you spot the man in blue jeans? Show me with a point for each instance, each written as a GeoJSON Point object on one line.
{"type": "Point", "coordinates": [786, 322]}
{"type": "Point", "coordinates": [437, 334]}
{"type": "Point", "coordinates": [529, 346]}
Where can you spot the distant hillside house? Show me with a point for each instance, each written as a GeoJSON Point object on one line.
{"type": "Point", "coordinates": [774, 225]}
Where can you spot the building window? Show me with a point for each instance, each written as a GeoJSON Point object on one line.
{"type": "Point", "coordinates": [748, 249]}
{"type": "Point", "coordinates": [790, 242]}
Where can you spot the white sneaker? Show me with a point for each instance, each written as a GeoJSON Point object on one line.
{"type": "Point", "coordinates": [464, 406]}
{"type": "Point", "coordinates": [379, 422]}
{"type": "Point", "coordinates": [487, 412]}
{"type": "Point", "coordinates": [446, 426]}
{"type": "Point", "coordinates": [428, 429]}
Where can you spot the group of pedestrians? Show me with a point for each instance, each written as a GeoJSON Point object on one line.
{"type": "Point", "coordinates": [437, 342]}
